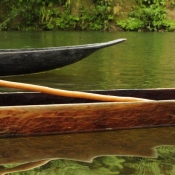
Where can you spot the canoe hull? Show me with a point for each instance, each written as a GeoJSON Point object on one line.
{"type": "Point", "coordinates": [71, 118]}
{"type": "Point", "coordinates": [38, 62]}
{"type": "Point", "coordinates": [26, 61]}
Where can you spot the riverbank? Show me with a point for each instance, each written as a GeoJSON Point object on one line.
{"type": "Point", "coordinates": [93, 15]}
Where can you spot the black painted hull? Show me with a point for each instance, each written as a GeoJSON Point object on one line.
{"type": "Point", "coordinates": [26, 61]}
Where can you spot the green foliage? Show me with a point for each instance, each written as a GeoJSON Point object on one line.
{"type": "Point", "coordinates": [150, 16]}
{"type": "Point", "coordinates": [32, 14]}
{"type": "Point", "coordinates": [101, 15]}
{"type": "Point", "coordinates": [163, 164]}
{"type": "Point", "coordinates": [98, 18]}
{"type": "Point", "coordinates": [172, 3]}
{"type": "Point", "coordinates": [55, 15]}
{"type": "Point", "coordinates": [66, 21]}
{"type": "Point", "coordinates": [25, 11]}
{"type": "Point", "coordinates": [131, 24]}
{"type": "Point", "coordinates": [170, 25]}
{"type": "Point", "coordinates": [153, 17]}
{"type": "Point", "coordinates": [46, 17]}
{"type": "Point", "coordinates": [149, 2]}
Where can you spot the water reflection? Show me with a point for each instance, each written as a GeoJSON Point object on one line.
{"type": "Point", "coordinates": [89, 152]}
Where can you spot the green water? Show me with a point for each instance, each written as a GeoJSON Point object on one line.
{"type": "Point", "coordinates": [145, 60]}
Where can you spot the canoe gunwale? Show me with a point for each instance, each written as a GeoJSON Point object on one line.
{"type": "Point", "coordinates": [61, 48]}
{"type": "Point", "coordinates": [39, 106]}
{"type": "Point", "coordinates": [156, 95]}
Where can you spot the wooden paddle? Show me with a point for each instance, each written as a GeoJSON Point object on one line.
{"type": "Point", "coordinates": [73, 94]}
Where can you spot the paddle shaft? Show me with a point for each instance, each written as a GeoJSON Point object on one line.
{"type": "Point", "coordinates": [73, 94]}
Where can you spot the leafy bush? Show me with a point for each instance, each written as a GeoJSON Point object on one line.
{"type": "Point", "coordinates": [152, 18]}
{"type": "Point", "coordinates": [98, 18]}
{"type": "Point", "coordinates": [131, 24]}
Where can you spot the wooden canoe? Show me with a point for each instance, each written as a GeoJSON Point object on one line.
{"type": "Point", "coordinates": [26, 113]}
{"type": "Point", "coordinates": [26, 61]}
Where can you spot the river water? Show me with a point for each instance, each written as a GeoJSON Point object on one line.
{"type": "Point", "coordinates": [145, 60]}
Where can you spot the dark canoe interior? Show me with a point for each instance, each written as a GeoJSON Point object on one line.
{"type": "Point", "coordinates": [32, 98]}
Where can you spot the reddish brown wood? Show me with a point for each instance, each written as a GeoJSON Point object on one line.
{"type": "Point", "coordinates": [68, 118]}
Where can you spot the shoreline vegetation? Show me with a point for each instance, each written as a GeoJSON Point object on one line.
{"type": "Point", "coordinates": [91, 15]}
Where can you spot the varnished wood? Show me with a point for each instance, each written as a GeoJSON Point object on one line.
{"type": "Point", "coordinates": [25, 61]}
{"type": "Point", "coordinates": [41, 114]}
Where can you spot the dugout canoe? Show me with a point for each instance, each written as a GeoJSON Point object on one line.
{"type": "Point", "coordinates": [27, 61]}
{"type": "Point", "coordinates": [28, 113]}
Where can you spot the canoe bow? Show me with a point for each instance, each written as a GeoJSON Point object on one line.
{"type": "Point", "coordinates": [27, 61]}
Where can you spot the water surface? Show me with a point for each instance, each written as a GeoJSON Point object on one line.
{"type": "Point", "coordinates": [145, 60]}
